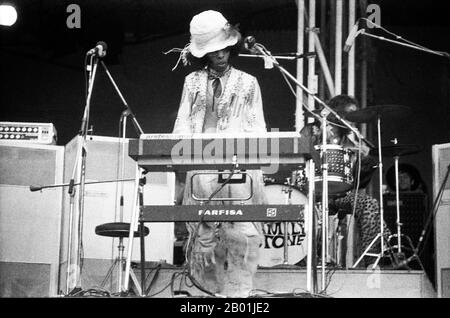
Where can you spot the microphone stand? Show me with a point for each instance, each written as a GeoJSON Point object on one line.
{"type": "Point", "coordinates": [71, 184]}
{"type": "Point", "coordinates": [261, 50]}
{"type": "Point", "coordinates": [325, 211]}
{"type": "Point", "coordinates": [409, 44]}
{"type": "Point", "coordinates": [425, 232]}
{"type": "Point", "coordinates": [34, 188]}
{"type": "Point", "coordinates": [138, 188]}
{"type": "Point", "coordinates": [127, 112]}
{"type": "Point", "coordinates": [282, 56]}
{"type": "Point", "coordinates": [80, 167]}
{"type": "Point", "coordinates": [416, 47]}
{"type": "Point", "coordinates": [443, 54]}
{"type": "Point", "coordinates": [434, 209]}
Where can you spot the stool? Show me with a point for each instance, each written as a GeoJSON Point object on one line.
{"type": "Point", "coordinates": [119, 230]}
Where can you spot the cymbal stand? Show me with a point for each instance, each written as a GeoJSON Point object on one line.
{"type": "Point", "coordinates": [397, 205]}
{"type": "Point", "coordinates": [380, 235]}
{"type": "Point", "coordinates": [399, 256]}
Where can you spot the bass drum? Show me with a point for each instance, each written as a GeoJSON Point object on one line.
{"type": "Point", "coordinates": [272, 250]}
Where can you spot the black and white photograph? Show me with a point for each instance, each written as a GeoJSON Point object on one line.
{"type": "Point", "coordinates": [231, 150]}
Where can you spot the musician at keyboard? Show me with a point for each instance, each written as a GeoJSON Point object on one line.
{"type": "Point", "coordinates": [218, 98]}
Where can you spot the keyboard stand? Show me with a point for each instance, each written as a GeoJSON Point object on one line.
{"type": "Point", "coordinates": [271, 213]}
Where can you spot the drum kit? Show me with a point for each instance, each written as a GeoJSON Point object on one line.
{"type": "Point", "coordinates": [341, 165]}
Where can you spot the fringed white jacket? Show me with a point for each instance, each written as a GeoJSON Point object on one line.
{"type": "Point", "coordinates": [239, 107]}
{"type": "Point", "coordinates": [223, 259]}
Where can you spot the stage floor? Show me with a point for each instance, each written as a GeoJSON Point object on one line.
{"type": "Point", "coordinates": [341, 283]}
{"type": "Point", "coordinates": [164, 280]}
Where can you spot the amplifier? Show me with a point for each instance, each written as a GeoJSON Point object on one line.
{"type": "Point", "coordinates": [413, 213]}
{"type": "Point", "coordinates": [41, 133]}
{"type": "Point", "coordinates": [30, 222]}
{"type": "Point", "coordinates": [441, 164]}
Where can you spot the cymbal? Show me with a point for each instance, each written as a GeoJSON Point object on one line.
{"type": "Point", "coordinates": [370, 113]}
{"type": "Point", "coordinates": [397, 150]}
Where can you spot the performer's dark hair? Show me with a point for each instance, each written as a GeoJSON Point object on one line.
{"type": "Point", "coordinates": [339, 102]}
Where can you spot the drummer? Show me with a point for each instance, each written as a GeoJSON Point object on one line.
{"type": "Point", "coordinates": [356, 200]}
{"type": "Point", "coordinates": [338, 134]}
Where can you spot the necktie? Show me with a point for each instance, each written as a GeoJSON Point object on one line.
{"type": "Point", "coordinates": [217, 90]}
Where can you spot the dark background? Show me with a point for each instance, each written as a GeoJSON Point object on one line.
{"type": "Point", "coordinates": [42, 78]}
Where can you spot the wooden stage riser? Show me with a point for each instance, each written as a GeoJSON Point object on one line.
{"type": "Point", "coordinates": [359, 283]}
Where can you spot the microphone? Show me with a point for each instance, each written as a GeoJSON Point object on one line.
{"type": "Point", "coordinates": [351, 37]}
{"type": "Point", "coordinates": [249, 43]}
{"type": "Point", "coordinates": [35, 188]}
{"type": "Point", "coordinates": [99, 49]}
{"type": "Point", "coordinates": [296, 55]}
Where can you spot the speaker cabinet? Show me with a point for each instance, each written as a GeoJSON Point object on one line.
{"type": "Point", "coordinates": [30, 222]}
{"type": "Point", "coordinates": [441, 162]}
{"type": "Point", "coordinates": [102, 205]}
{"type": "Point", "coordinates": [413, 213]}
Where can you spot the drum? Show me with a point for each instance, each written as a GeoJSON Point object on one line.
{"type": "Point", "coordinates": [340, 170]}
{"type": "Point", "coordinates": [299, 180]}
{"type": "Point", "coordinates": [296, 178]}
{"type": "Point", "coordinates": [272, 250]}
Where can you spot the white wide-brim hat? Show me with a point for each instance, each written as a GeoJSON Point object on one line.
{"type": "Point", "coordinates": [210, 32]}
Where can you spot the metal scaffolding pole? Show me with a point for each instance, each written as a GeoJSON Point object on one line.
{"type": "Point", "coordinates": [312, 78]}
{"type": "Point", "coordinates": [349, 257]}
{"type": "Point", "coordinates": [299, 118]}
{"type": "Point", "coordinates": [364, 97]}
{"type": "Point", "coordinates": [338, 49]}
{"type": "Point", "coordinates": [351, 53]}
